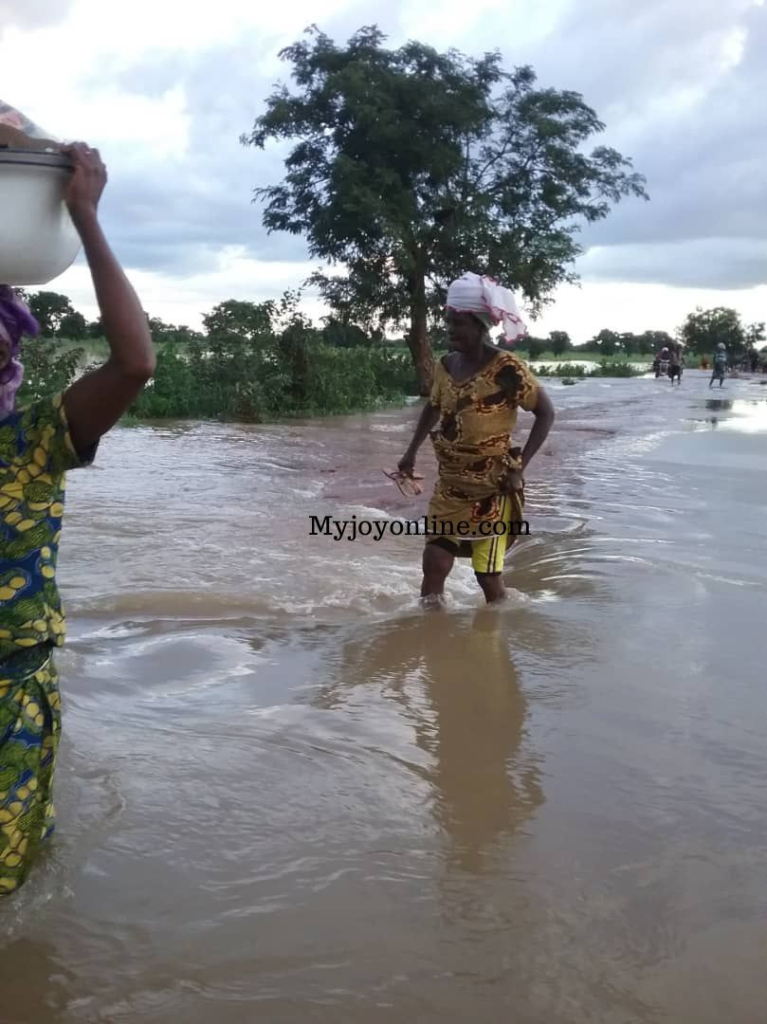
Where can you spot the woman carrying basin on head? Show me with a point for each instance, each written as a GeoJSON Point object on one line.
{"type": "Point", "coordinates": [479, 496]}
{"type": "Point", "coordinates": [38, 445]}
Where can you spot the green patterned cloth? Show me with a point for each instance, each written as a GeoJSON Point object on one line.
{"type": "Point", "coordinates": [35, 453]}
{"type": "Point", "coordinates": [30, 724]}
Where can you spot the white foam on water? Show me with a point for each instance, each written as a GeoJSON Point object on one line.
{"type": "Point", "coordinates": [312, 491]}
{"type": "Point", "coordinates": [364, 512]}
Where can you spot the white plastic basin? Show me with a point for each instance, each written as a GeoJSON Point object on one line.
{"type": "Point", "coordinates": [38, 240]}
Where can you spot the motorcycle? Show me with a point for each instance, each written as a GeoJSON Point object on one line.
{"type": "Point", "coordinates": [661, 367]}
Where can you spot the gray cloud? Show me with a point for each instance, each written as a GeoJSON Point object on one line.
{"type": "Point", "coordinates": [729, 263]}
{"type": "Point", "coordinates": [656, 72]}
{"type": "Point", "coordinates": [177, 218]}
{"type": "Point", "coordinates": [173, 225]}
{"type": "Point", "coordinates": [658, 75]}
{"type": "Point", "coordinates": [621, 54]}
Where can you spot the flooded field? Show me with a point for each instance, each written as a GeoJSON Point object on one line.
{"type": "Point", "coordinates": [287, 794]}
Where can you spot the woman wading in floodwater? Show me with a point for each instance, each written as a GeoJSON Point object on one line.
{"type": "Point", "coordinates": [37, 445]}
{"type": "Point", "coordinates": [477, 391]}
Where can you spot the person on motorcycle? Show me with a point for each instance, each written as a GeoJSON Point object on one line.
{"type": "Point", "coordinates": [661, 362]}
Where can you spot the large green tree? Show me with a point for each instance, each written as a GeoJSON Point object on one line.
{"type": "Point", "coordinates": [534, 347]}
{"type": "Point", "coordinates": [651, 342]}
{"type": "Point", "coordinates": [755, 335]}
{"type": "Point", "coordinates": [606, 342]}
{"type": "Point", "coordinates": [344, 335]}
{"type": "Point", "coordinates": [705, 328]}
{"type": "Point", "coordinates": [559, 342]}
{"type": "Point", "coordinates": [249, 320]}
{"type": "Point", "coordinates": [50, 309]}
{"type": "Point", "coordinates": [73, 326]}
{"type": "Point", "coordinates": [410, 166]}
{"type": "Point", "coordinates": [162, 331]}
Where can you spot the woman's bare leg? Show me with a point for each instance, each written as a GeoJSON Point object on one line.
{"type": "Point", "coordinates": [492, 586]}
{"type": "Point", "coordinates": [437, 563]}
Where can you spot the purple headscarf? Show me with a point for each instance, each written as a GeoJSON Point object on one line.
{"type": "Point", "coordinates": [15, 320]}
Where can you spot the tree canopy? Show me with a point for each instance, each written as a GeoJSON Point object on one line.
{"type": "Point", "coordinates": [705, 328]}
{"type": "Point", "coordinates": [50, 309]}
{"type": "Point", "coordinates": [410, 166]}
{"type": "Point", "coordinates": [627, 343]}
{"type": "Point", "coordinates": [235, 316]}
{"type": "Point", "coordinates": [559, 342]}
{"type": "Point", "coordinates": [162, 331]}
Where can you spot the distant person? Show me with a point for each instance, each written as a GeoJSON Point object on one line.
{"type": "Point", "coordinates": [720, 365]}
{"type": "Point", "coordinates": [704, 363]}
{"type": "Point", "coordinates": [661, 366]}
{"type": "Point", "coordinates": [753, 357]}
{"type": "Point", "coordinates": [676, 364]}
{"type": "Point", "coordinates": [479, 495]}
{"type": "Point", "coordinates": [38, 444]}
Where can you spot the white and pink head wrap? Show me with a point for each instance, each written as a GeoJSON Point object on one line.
{"type": "Point", "coordinates": [488, 301]}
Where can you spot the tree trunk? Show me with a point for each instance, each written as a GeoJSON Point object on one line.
{"type": "Point", "coordinates": [418, 338]}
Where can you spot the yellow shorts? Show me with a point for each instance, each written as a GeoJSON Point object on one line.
{"type": "Point", "coordinates": [489, 553]}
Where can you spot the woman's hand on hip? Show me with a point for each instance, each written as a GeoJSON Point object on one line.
{"type": "Point", "coordinates": [512, 482]}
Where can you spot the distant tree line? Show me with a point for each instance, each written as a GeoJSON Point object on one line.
{"type": "Point", "coordinates": [58, 318]}
{"type": "Point", "coordinates": [605, 343]}
{"type": "Point", "coordinates": [700, 333]}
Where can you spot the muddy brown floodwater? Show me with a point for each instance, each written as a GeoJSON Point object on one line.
{"type": "Point", "coordinates": [286, 794]}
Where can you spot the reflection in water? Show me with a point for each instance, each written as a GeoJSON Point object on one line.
{"type": "Point", "coordinates": [744, 416]}
{"type": "Point", "coordinates": [484, 790]}
{"type": "Point", "coordinates": [455, 677]}
{"type": "Point", "coordinates": [747, 416]}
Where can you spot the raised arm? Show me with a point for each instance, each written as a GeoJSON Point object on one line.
{"type": "Point", "coordinates": [426, 423]}
{"type": "Point", "coordinates": [95, 402]}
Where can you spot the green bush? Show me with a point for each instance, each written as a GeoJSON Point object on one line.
{"type": "Point", "coordinates": [607, 368]}
{"type": "Point", "coordinates": [272, 376]}
{"type": "Point", "coordinates": [47, 368]}
{"type": "Point", "coordinates": [614, 369]}
{"type": "Point", "coordinates": [561, 370]}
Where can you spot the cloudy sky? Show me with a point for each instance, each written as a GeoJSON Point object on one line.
{"type": "Point", "coordinates": [165, 87]}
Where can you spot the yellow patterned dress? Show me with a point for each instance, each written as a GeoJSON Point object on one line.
{"type": "Point", "coordinates": [473, 446]}
{"type": "Point", "coordinates": [35, 453]}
